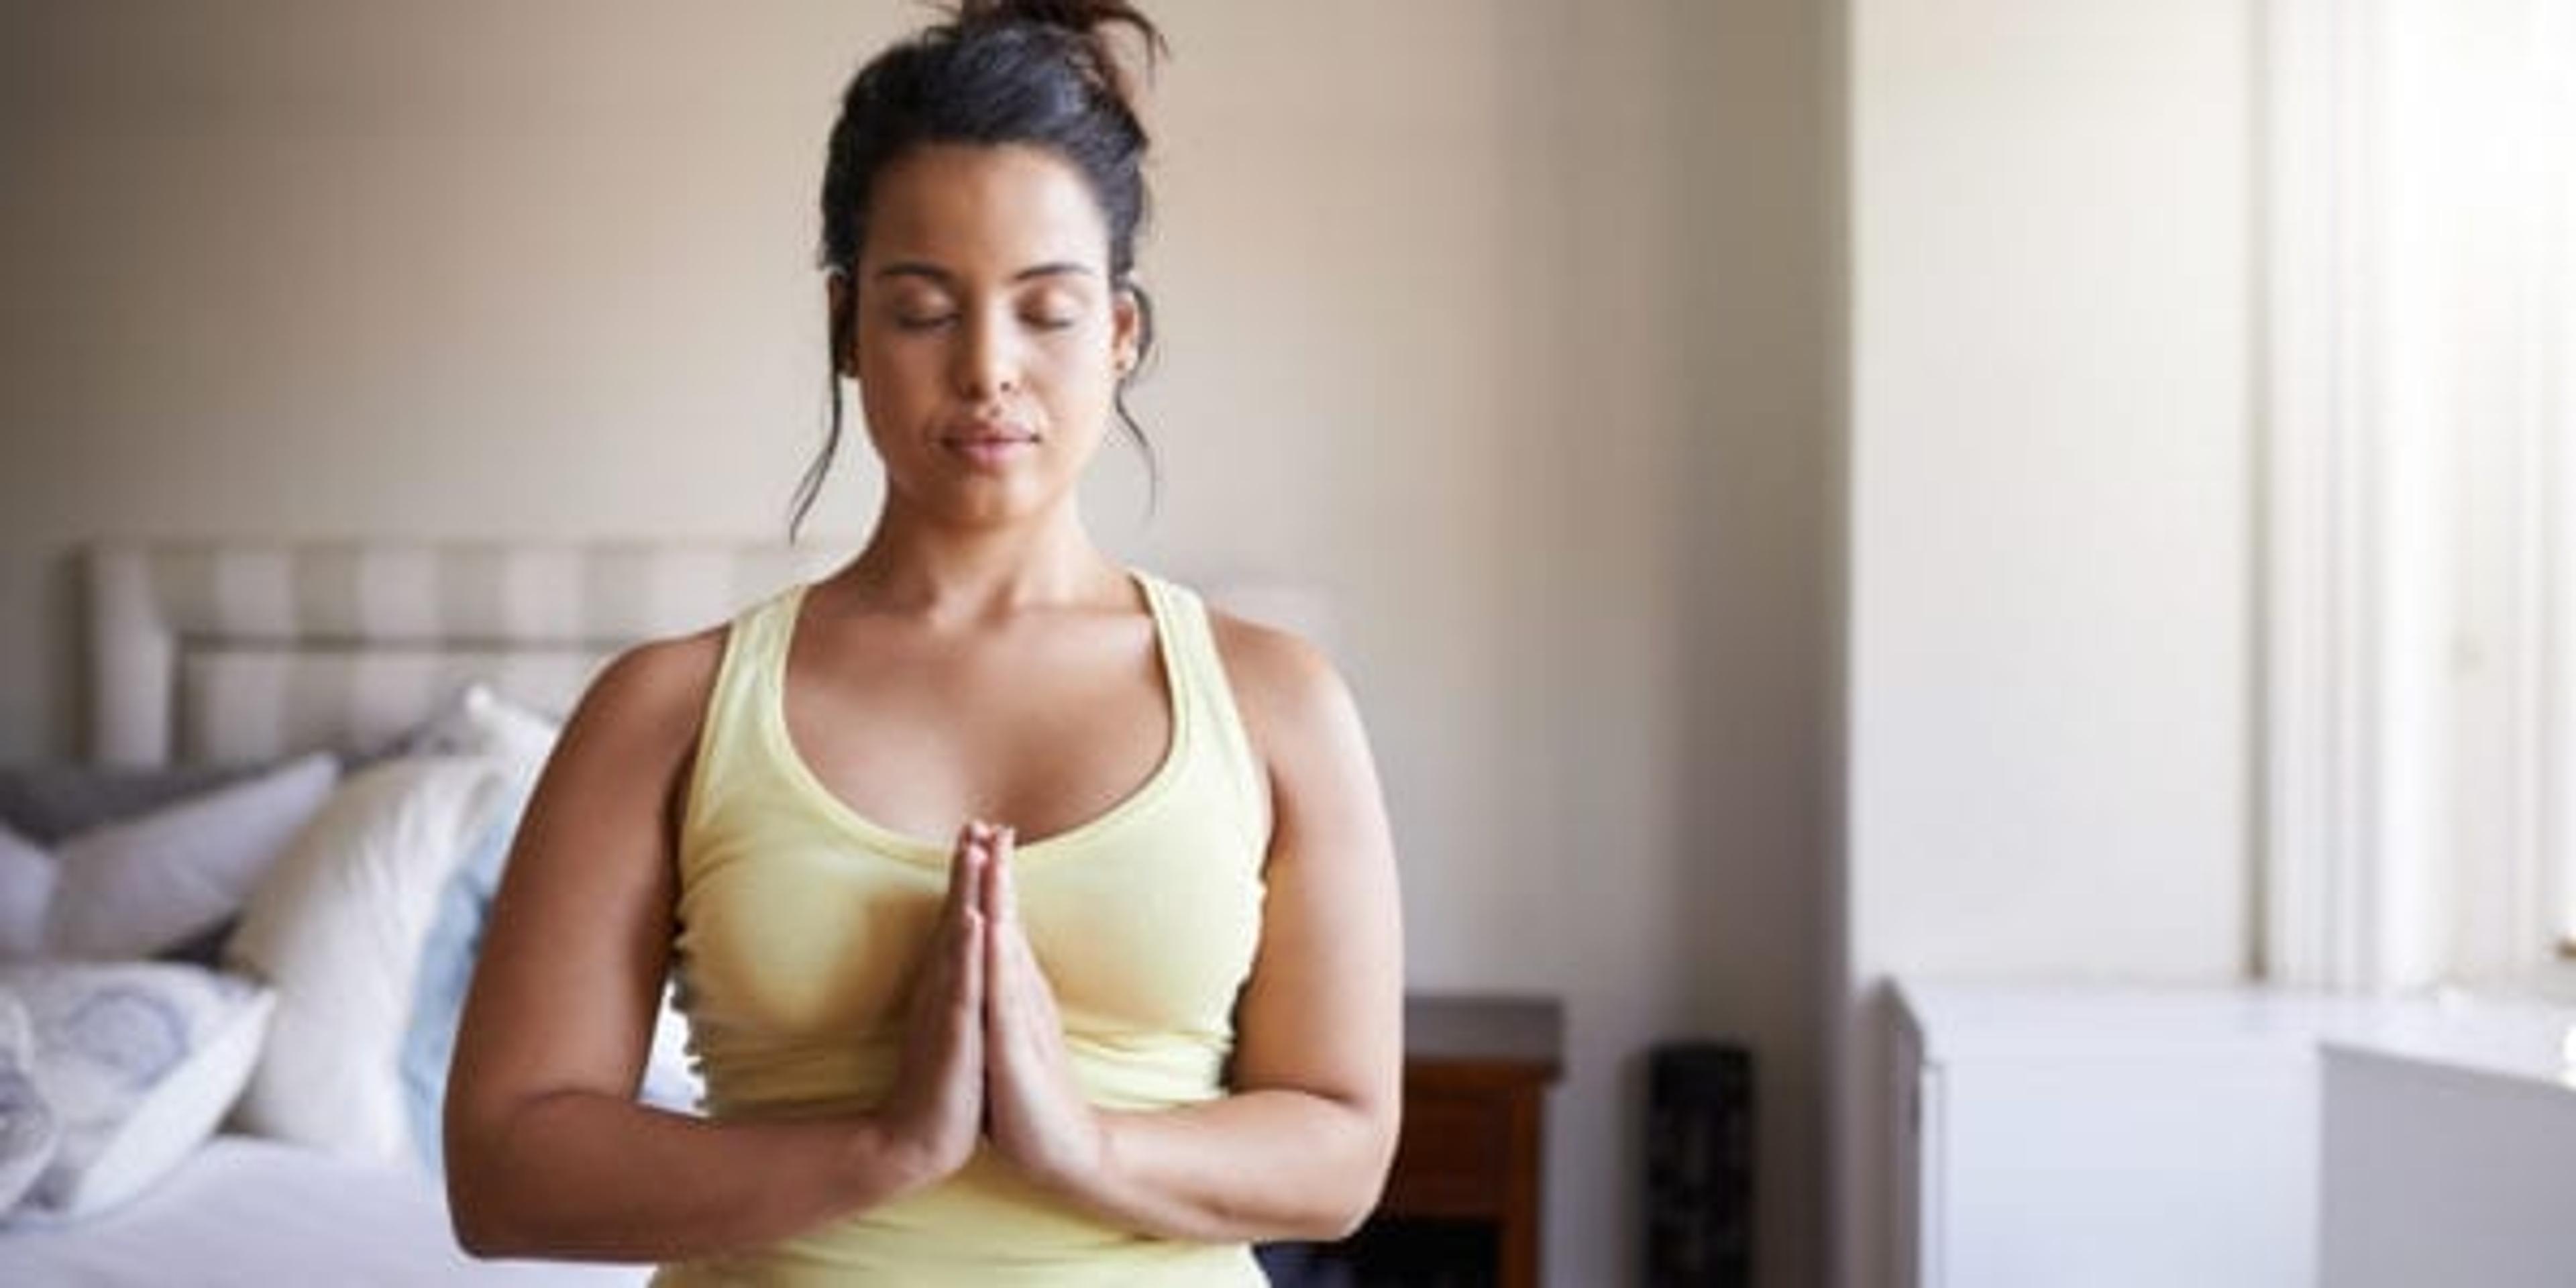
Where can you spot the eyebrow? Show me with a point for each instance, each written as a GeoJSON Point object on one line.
{"type": "Point", "coordinates": [912, 268]}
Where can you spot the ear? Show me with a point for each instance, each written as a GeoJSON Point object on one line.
{"type": "Point", "coordinates": [841, 321]}
{"type": "Point", "coordinates": [1126, 330]}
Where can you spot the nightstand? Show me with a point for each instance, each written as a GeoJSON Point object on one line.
{"type": "Point", "coordinates": [1476, 1074]}
{"type": "Point", "coordinates": [1462, 1201]}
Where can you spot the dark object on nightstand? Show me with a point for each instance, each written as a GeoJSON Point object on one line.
{"type": "Point", "coordinates": [1699, 1166]}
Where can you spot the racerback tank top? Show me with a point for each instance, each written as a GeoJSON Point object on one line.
{"type": "Point", "coordinates": [801, 921]}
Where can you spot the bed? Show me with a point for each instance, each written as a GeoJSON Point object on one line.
{"type": "Point", "coordinates": [413, 669]}
{"type": "Point", "coordinates": [254, 654]}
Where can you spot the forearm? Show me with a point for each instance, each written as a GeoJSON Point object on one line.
{"type": "Point", "coordinates": [1257, 1165]}
{"type": "Point", "coordinates": [584, 1176]}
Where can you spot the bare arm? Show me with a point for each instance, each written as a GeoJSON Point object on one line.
{"type": "Point", "coordinates": [548, 1154]}
{"type": "Point", "coordinates": [1300, 1148]}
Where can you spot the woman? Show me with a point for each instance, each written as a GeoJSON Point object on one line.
{"type": "Point", "coordinates": [1144, 1008]}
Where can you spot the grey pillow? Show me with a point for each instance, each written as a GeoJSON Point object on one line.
{"type": "Point", "coordinates": [50, 802]}
{"type": "Point", "coordinates": [147, 884]}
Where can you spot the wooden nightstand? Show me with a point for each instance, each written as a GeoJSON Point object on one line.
{"type": "Point", "coordinates": [1476, 1073]}
{"type": "Point", "coordinates": [1462, 1202]}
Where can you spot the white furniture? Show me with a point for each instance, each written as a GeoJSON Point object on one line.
{"type": "Point", "coordinates": [2217, 1137]}
{"type": "Point", "coordinates": [2066, 1136]}
{"type": "Point", "coordinates": [2450, 1151]}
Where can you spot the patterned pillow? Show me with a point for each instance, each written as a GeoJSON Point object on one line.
{"type": "Point", "coordinates": [29, 1132]}
{"type": "Point", "coordinates": [136, 1062]}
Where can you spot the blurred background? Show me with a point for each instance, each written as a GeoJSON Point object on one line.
{"type": "Point", "coordinates": [1790, 479]}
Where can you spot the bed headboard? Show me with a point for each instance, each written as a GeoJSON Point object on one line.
{"type": "Point", "coordinates": [244, 651]}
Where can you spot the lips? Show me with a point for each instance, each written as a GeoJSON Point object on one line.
{"type": "Point", "coordinates": [989, 446]}
{"type": "Point", "coordinates": [987, 433]}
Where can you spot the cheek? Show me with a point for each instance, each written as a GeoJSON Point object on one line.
{"type": "Point", "coordinates": [1083, 371]}
{"type": "Point", "coordinates": [894, 376]}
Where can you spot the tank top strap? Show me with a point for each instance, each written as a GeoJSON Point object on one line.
{"type": "Point", "coordinates": [755, 643]}
{"type": "Point", "coordinates": [1203, 684]}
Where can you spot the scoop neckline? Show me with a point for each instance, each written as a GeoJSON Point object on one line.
{"type": "Point", "coordinates": [920, 850]}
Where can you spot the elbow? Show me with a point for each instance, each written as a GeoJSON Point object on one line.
{"type": "Point", "coordinates": [1341, 1214]}
{"type": "Point", "coordinates": [483, 1212]}
{"type": "Point", "coordinates": [475, 1220]}
{"type": "Point", "coordinates": [474, 1234]}
{"type": "Point", "coordinates": [469, 1210]}
{"type": "Point", "coordinates": [475, 1244]}
{"type": "Point", "coordinates": [1348, 1206]}
{"type": "Point", "coordinates": [1340, 1223]}
{"type": "Point", "coordinates": [487, 1195]}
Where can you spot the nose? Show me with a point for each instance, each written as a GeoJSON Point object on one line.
{"type": "Point", "coordinates": [986, 360]}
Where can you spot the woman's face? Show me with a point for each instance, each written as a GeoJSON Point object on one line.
{"type": "Point", "coordinates": [987, 340]}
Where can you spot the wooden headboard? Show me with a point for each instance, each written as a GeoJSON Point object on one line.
{"type": "Point", "coordinates": [245, 651]}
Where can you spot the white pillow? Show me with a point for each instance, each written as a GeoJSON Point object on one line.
{"type": "Point", "coordinates": [337, 929]}
{"type": "Point", "coordinates": [134, 888]}
{"type": "Point", "coordinates": [26, 890]}
{"type": "Point", "coordinates": [136, 1061]}
{"type": "Point", "coordinates": [480, 722]}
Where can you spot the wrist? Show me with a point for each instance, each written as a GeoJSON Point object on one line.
{"type": "Point", "coordinates": [883, 1162]}
{"type": "Point", "coordinates": [1088, 1171]}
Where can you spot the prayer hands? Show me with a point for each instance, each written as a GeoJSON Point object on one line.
{"type": "Point", "coordinates": [984, 1050]}
{"type": "Point", "coordinates": [937, 1105]}
{"type": "Point", "coordinates": [1035, 1112]}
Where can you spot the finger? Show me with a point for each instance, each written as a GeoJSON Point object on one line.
{"type": "Point", "coordinates": [977, 879]}
{"type": "Point", "coordinates": [1001, 989]}
{"type": "Point", "coordinates": [1001, 900]}
{"type": "Point", "coordinates": [961, 888]}
{"type": "Point", "coordinates": [969, 964]}
{"type": "Point", "coordinates": [1034, 994]}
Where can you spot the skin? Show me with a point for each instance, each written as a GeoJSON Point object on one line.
{"type": "Point", "coordinates": [933, 684]}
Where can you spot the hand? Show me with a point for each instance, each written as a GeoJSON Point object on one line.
{"type": "Point", "coordinates": [1038, 1116]}
{"type": "Point", "coordinates": [936, 1108]}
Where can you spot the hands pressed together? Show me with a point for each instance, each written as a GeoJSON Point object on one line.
{"type": "Point", "coordinates": [984, 1053]}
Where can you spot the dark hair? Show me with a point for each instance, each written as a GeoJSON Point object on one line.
{"type": "Point", "coordinates": [1037, 72]}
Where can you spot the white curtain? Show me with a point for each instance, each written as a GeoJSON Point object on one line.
{"type": "Point", "coordinates": [2421, 487]}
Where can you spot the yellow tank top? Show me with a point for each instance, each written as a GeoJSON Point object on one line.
{"type": "Point", "coordinates": [800, 922]}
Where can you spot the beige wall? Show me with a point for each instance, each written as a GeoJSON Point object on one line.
{"type": "Point", "coordinates": [1502, 323]}
{"type": "Point", "coordinates": [2052, 551]}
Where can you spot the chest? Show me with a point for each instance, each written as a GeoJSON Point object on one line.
{"type": "Point", "coordinates": [1041, 726]}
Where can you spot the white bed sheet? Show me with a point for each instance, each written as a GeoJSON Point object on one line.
{"type": "Point", "coordinates": [255, 1213]}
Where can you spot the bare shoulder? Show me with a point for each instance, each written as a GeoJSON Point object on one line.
{"type": "Point", "coordinates": [641, 714]}
{"type": "Point", "coordinates": [1281, 682]}
{"type": "Point", "coordinates": [658, 685]}
{"type": "Point", "coordinates": [1300, 716]}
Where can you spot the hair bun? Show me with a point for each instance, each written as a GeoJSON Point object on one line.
{"type": "Point", "coordinates": [1090, 21]}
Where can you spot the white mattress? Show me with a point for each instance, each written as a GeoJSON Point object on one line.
{"type": "Point", "coordinates": [254, 1213]}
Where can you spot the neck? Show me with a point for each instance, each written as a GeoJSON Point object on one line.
{"type": "Point", "coordinates": [915, 565]}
